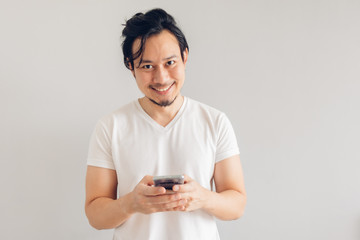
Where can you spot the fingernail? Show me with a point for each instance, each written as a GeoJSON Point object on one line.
{"type": "Point", "coordinates": [176, 187]}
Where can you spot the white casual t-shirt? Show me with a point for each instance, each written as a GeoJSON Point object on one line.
{"type": "Point", "coordinates": [132, 143]}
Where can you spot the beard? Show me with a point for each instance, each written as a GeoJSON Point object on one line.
{"type": "Point", "coordinates": [163, 103]}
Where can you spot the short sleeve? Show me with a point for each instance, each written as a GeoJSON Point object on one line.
{"type": "Point", "coordinates": [226, 140]}
{"type": "Point", "coordinates": [99, 154]}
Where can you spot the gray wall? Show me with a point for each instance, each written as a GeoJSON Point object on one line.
{"type": "Point", "coordinates": [287, 73]}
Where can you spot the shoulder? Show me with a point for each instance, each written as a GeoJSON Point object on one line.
{"type": "Point", "coordinates": [120, 115]}
{"type": "Point", "coordinates": [204, 110]}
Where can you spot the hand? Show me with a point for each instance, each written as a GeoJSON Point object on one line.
{"type": "Point", "coordinates": [195, 195]}
{"type": "Point", "coordinates": [148, 199]}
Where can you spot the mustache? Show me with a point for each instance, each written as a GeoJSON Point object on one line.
{"type": "Point", "coordinates": [158, 85]}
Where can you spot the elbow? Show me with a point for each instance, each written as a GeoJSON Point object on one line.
{"type": "Point", "coordinates": [233, 206]}
{"type": "Point", "coordinates": [93, 223]}
{"type": "Point", "coordinates": [93, 220]}
{"type": "Point", "coordinates": [99, 222]}
{"type": "Point", "coordinates": [238, 214]}
{"type": "Point", "coordinates": [240, 208]}
{"type": "Point", "coordinates": [242, 205]}
{"type": "Point", "coordinates": [96, 226]}
{"type": "Point", "coordinates": [234, 215]}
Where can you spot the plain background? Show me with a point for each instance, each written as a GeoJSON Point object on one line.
{"type": "Point", "coordinates": [287, 74]}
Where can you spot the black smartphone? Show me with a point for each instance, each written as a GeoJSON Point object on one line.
{"type": "Point", "coordinates": [168, 181]}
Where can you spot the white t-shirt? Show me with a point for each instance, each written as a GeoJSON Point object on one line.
{"type": "Point", "coordinates": [132, 143]}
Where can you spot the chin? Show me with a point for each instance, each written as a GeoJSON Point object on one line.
{"type": "Point", "coordinates": [163, 103]}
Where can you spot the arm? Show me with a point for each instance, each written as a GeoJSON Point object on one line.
{"type": "Point", "coordinates": [104, 211]}
{"type": "Point", "coordinates": [101, 206]}
{"type": "Point", "coordinates": [228, 202]}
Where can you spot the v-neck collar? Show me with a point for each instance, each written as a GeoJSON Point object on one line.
{"type": "Point", "coordinates": [156, 124]}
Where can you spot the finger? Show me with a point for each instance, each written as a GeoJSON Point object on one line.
{"type": "Point", "coordinates": [147, 180]}
{"type": "Point", "coordinates": [183, 188]}
{"type": "Point", "coordinates": [153, 191]}
{"type": "Point", "coordinates": [187, 178]}
{"type": "Point", "coordinates": [182, 207]}
{"type": "Point", "coordinates": [146, 187]}
{"type": "Point", "coordinates": [173, 206]}
{"type": "Point", "coordinates": [162, 204]}
{"type": "Point", "coordinates": [164, 199]}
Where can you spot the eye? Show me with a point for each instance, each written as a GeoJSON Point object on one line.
{"type": "Point", "coordinates": [147, 66]}
{"type": "Point", "coordinates": [171, 62]}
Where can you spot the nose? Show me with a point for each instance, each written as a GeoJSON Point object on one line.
{"type": "Point", "coordinates": [161, 75]}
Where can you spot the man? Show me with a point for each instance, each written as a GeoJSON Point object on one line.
{"type": "Point", "coordinates": [162, 133]}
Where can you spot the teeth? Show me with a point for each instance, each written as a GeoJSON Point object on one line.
{"type": "Point", "coordinates": [164, 89]}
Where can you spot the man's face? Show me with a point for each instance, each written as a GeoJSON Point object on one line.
{"type": "Point", "coordinates": [161, 74]}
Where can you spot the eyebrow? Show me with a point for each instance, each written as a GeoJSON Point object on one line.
{"type": "Point", "coordinates": [165, 59]}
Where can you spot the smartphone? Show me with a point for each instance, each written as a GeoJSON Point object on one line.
{"type": "Point", "coordinates": [168, 181]}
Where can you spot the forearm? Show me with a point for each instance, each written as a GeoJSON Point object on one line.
{"type": "Point", "coordinates": [106, 213]}
{"type": "Point", "coordinates": [227, 205]}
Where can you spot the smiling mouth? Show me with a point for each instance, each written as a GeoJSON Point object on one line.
{"type": "Point", "coordinates": [163, 90]}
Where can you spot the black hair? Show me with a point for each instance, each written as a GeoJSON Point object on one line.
{"type": "Point", "coordinates": [145, 25]}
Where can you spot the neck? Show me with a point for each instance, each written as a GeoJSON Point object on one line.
{"type": "Point", "coordinates": [162, 115]}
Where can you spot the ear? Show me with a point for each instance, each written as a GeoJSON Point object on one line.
{"type": "Point", "coordinates": [133, 72]}
{"type": "Point", "coordinates": [128, 64]}
{"type": "Point", "coordinates": [130, 67]}
{"type": "Point", "coordinates": [185, 55]}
